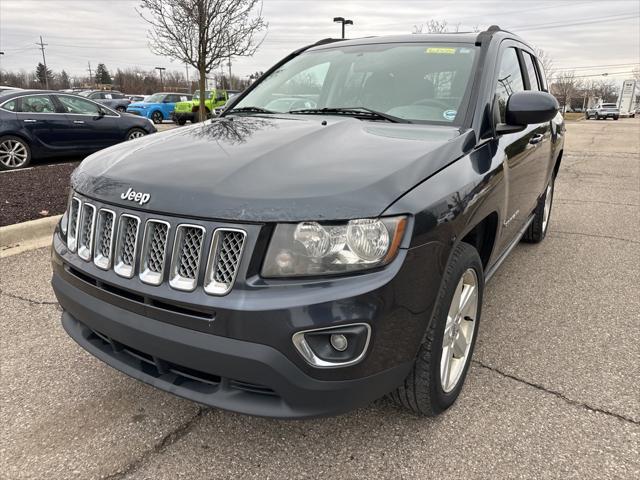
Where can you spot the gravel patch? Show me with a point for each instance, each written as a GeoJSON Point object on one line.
{"type": "Point", "coordinates": [34, 193]}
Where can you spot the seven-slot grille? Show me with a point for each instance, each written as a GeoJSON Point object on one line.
{"type": "Point", "coordinates": [123, 243]}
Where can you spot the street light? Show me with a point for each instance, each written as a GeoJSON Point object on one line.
{"type": "Point", "coordinates": [343, 21]}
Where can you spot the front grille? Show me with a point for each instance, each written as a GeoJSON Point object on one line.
{"type": "Point", "coordinates": [154, 251]}
{"type": "Point", "coordinates": [116, 240]}
{"type": "Point", "coordinates": [85, 233]}
{"type": "Point", "coordinates": [186, 257]}
{"type": "Point", "coordinates": [104, 239]}
{"type": "Point", "coordinates": [126, 245]}
{"type": "Point", "coordinates": [226, 251]}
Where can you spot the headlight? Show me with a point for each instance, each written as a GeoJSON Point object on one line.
{"type": "Point", "coordinates": [311, 248]}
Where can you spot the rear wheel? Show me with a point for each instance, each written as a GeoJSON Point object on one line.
{"type": "Point", "coordinates": [157, 117]}
{"type": "Point", "coordinates": [538, 228]}
{"type": "Point", "coordinates": [441, 365]}
{"type": "Point", "coordinates": [135, 133]}
{"type": "Point", "coordinates": [14, 153]}
{"type": "Point", "coordinates": [121, 109]}
{"type": "Point", "coordinates": [181, 121]}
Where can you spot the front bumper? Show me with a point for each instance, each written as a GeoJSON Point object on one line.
{"type": "Point", "coordinates": [241, 357]}
{"type": "Point", "coordinates": [175, 116]}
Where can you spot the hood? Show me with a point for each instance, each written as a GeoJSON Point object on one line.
{"type": "Point", "coordinates": [264, 168]}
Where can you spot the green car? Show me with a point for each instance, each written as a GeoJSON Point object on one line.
{"type": "Point", "coordinates": [189, 110]}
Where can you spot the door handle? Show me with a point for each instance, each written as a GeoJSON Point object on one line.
{"type": "Point", "coordinates": [78, 121]}
{"type": "Point", "coordinates": [537, 138]}
{"type": "Point", "coordinates": [29, 120]}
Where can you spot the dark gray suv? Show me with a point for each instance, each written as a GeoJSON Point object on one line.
{"type": "Point", "coordinates": [327, 240]}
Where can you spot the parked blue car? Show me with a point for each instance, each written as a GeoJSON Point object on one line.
{"type": "Point", "coordinates": [158, 107]}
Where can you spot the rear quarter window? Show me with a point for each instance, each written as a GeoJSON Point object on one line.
{"type": "Point", "coordinates": [10, 105]}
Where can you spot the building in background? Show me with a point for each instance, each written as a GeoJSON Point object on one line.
{"type": "Point", "coordinates": [627, 102]}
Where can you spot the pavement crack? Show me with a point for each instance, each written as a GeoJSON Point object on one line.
{"type": "Point", "coordinates": [29, 300]}
{"type": "Point", "coordinates": [167, 440]}
{"type": "Point", "coordinates": [557, 394]}
{"type": "Point", "coordinates": [596, 236]}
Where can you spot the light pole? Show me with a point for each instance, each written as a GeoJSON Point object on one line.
{"type": "Point", "coordinates": [343, 21]}
{"type": "Point", "coordinates": [161, 69]}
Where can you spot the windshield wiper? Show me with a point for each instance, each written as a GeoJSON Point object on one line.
{"type": "Point", "coordinates": [250, 110]}
{"type": "Point", "coordinates": [353, 111]}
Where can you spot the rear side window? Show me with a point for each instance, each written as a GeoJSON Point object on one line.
{"type": "Point", "coordinates": [37, 104]}
{"type": "Point", "coordinates": [10, 105]}
{"type": "Point", "coordinates": [529, 65]}
{"type": "Point", "coordinates": [509, 80]}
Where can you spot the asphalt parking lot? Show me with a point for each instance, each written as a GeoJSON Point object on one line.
{"type": "Point", "coordinates": [553, 391]}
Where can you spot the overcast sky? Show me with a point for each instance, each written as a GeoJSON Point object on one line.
{"type": "Point", "coordinates": [590, 36]}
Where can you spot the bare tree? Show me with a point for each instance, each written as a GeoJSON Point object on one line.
{"type": "Point", "coordinates": [565, 86]}
{"type": "Point", "coordinates": [547, 64]}
{"type": "Point", "coordinates": [432, 26]}
{"type": "Point", "coordinates": [203, 33]}
{"type": "Point", "coordinates": [606, 90]}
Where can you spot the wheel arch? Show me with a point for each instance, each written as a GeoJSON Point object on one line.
{"type": "Point", "coordinates": [483, 236]}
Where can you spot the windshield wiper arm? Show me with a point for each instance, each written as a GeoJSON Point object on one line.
{"type": "Point", "coordinates": [250, 110]}
{"type": "Point", "coordinates": [355, 111]}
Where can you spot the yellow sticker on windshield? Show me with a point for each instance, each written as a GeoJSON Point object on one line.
{"type": "Point", "coordinates": [441, 50]}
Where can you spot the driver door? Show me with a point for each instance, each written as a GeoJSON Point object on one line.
{"type": "Point", "coordinates": [94, 127]}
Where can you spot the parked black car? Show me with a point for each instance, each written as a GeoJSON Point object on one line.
{"type": "Point", "coordinates": [40, 123]}
{"type": "Point", "coordinates": [114, 100]}
{"type": "Point", "coordinates": [303, 263]}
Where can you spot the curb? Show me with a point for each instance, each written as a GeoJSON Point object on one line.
{"type": "Point", "coordinates": [19, 234]}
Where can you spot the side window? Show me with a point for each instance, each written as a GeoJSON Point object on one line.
{"type": "Point", "coordinates": [11, 105]}
{"type": "Point", "coordinates": [220, 97]}
{"type": "Point", "coordinates": [529, 64]}
{"type": "Point", "coordinates": [509, 79]}
{"type": "Point", "coordinates": [117, 95]}
{"type": "Point", "coordinates": [108, 96]}
{"type": "Point", "coordinates": [78, 106]}
{"type": "Point", "coordinates": [37, 104]}
{"type": "Point", "coordinates": [96, 95]}
{"type": "Point", "coordinates": [543, 79]}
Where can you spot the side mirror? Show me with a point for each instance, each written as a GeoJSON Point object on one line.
{"type": "Point", "coordinates": [528, 107]}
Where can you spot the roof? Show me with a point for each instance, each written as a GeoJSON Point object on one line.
{"type": "Point", "coordinates": [453, 37]}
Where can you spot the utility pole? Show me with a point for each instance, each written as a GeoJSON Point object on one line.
{"type": "Point", "coordinates": [90, 74]}
{"type": "Point", "coordinates": [44, 60]}
{"type": "Point", "coordinates": [161, 69]}
{"type": "Point", "coordinates": [1, 53]}
{"type": "Point", "coordinates": [229, 87]}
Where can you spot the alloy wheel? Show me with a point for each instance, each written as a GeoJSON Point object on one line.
{"type": "Point", "coordinates": [459, 330]}
{"type": "Point", "coordinates": [13, 153]}
{"type": "Point", "coordinates": [136, 134]}
{"type": "Point", "coordinates": [548, 198]}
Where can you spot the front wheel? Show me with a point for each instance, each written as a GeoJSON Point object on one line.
{"type": "Point", "coordinates": [14, 153]}
{"type": "Point", "coordinates": [135, 133]}
{"type": "Point", "coordinates": [181, 120]}
{"type": "Point", "coordinates": [443, 359]}
{"type": "Point", "coordinates": [156, 117]}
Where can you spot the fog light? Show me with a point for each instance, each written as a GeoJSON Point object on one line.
{"type": "Point", "coordinates": [339, 342]}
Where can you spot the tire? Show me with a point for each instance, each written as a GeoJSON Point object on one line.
{"type": "Point", "coordinates": [542, 215]}
{"type": "Point", "coordinates": [181, 121]}
{"type": "Point", "coordinates": [157, 117]}
{"type": "Point", "coordinates": [14, 153]}
{"type": "Point", "coordinates": [121, 109]}
{"type": "Point", "coordinates": [135, 133]}
{"type": "Point", "coordinates": [616, 118]}
{"type": "Point", "coordinates": [422, 391]}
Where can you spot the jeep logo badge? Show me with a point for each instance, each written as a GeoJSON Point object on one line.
{"type": "Point", "coordinates": [134, 196]}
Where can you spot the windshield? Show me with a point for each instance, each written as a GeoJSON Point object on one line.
{"type": "Point", "coordinates": [207, 94]}
{"type": "Point", "coordinates": [415, 81]}
{"type": "Point", "coordinates": [155, 98]}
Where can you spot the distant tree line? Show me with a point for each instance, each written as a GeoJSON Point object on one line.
{"type": "Point", "coordinates": [129, 80]}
